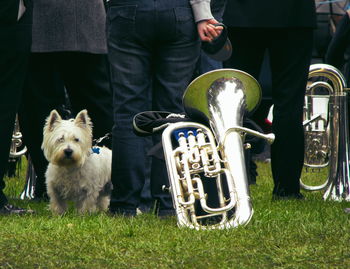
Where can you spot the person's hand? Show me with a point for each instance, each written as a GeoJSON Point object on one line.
{"type": "Point", "coordinates": [207, 31]}
{"type": "Point", "coordinates": [348, 12]}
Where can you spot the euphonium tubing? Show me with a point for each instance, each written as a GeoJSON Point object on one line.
{"type": "Point", "coordinates": [219, 99]}
{"type": "Point", "coordinates": [335, 148]}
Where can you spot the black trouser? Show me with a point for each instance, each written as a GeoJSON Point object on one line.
{"type": "Point", "coordinates": [290, 54]}
{"type": "Point", "coordinates": [86, 79]}
{"type": "Point", "coordinates": [15, 39]}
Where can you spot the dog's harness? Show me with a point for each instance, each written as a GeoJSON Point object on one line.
{"type": "Point", "coordinates": [95, 150]}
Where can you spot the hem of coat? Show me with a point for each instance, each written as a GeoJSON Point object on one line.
{"type": "Point", "coordinates": [86, 50]}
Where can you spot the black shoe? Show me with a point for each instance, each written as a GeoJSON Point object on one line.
{"type": "Point", "coordinates": [11, 209]}
{"type": "Point", "coordinates": [294, 196]}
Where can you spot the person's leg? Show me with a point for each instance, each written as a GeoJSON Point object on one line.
{"type": "Point", "coordinates": [206, 64]}
{"type": "Point", "coordinates": [15, 40]}
{"type": "Point", "coordinates": [265, 82]}
{"type": "Point", "coordinates": [87, 80]}
{"type": "Point", "coordinates": [248, 57]}
{"type": "Point", "coordinates": [12, 70]}
{"type": "Point", "coordinates": [130, 59]}
{"type": "Point", "coordinates": [290, 56]}
{"type": "Point", "coordinates": [175, 61]}
{"type": "Point", "coordinates": [43, 91]}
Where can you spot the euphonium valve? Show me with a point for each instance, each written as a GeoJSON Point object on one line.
{"type": "Point", "coordinates": [205, 158]}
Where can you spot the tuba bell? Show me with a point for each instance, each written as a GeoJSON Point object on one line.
{"type": "Point", "coordinates": [327, 132]}
{"type": "Point", "coordinates": [205, 158]}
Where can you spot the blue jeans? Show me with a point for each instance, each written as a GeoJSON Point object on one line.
{"type": "Point", "coordinates": [206, 64]}
{"type": "Point", "coordinates": [153, 47]}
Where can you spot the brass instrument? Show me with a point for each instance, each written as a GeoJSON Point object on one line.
{"type": "Point", "coordinates": [198, 156]}
{"type": "Point", "coordinates": [327, 132]}
{"type": "Point", "coordinates": [16, 143]}
{"type": "Point", "coordinates": [15, 155]}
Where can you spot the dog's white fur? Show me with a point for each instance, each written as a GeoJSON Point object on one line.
{"type": "Point", "coordinates": [75, 173]}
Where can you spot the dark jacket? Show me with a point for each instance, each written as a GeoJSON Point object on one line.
{"type": "Point", "coordinates": [270, 13]}
{"type": "Point", "coordinates": [8, 11]}
{"type": "Point", "coordinates": [14, 35]}
{"type": "Point", "coordinates": [217, 8]}
{"type": "Point", "coordinates": [338, 53]}
{"type": "Point", "coordinates": [69, 25]}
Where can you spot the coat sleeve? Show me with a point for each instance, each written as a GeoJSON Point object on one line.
{"type": "Point", "coordinates": [201, 10]}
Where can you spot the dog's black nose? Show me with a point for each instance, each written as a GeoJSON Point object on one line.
{"type": "Point", "coordinates": [68, 152]}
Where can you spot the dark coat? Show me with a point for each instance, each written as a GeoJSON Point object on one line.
{"type": "Point", "coordinates": [8, 11]}
{"type": "Point", "coordinates": [270, 13]}
{"type": "Point", "coordinates": [14, 35]}
{"type": "Point", "coordinates": [69, 25]}
{"type": "Point", "coordinates": [338, 53]}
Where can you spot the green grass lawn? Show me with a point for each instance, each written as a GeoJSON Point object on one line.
{"type": "Point", "coordinates": [282, 234]}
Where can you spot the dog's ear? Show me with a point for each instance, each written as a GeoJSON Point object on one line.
{"type": "Point", "coordinates": [52, 120]}
{"type": "Point", "coordinates": [82, 119]}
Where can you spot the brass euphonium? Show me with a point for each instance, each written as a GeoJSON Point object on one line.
{"type": "Point", "coordinates": [198, 156]}
{"type": "Point", "coordinates": [327, 131]}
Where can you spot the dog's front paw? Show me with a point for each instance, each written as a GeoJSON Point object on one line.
{"type": "Point", "coordinates": [57, 208]}
{"type": "Point", "coordinates": [87, 206]}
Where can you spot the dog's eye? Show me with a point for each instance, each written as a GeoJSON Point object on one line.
{"type": "Point", "coordinates": [76, 139]}
{"type": "Point", "coordinates": [60, 140]}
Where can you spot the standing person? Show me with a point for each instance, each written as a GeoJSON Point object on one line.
{"type": "Point", "coordinates": [153, 47]}
{"type": "Point", "coordinates": [15, 38]}
{"type": "Point", "coordinates": [69, 50]}
{"type": "Point", "coordinates": [339, 47]}
{"type": "Point", "coordinates": [285, 30]}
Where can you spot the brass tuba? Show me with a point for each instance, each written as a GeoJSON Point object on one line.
{"type": "Point", "coordinates": [327, 132]}
{"type": "Point", "coordinates": [206, 166]}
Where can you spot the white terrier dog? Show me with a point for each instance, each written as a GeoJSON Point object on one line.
{"type": "Point", "coordinates": [76, 172]}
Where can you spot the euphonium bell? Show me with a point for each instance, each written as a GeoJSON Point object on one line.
{"type": "Point", "coordinates": [205, 158]}
{"type": "Point", "coordinates": [327, 132]}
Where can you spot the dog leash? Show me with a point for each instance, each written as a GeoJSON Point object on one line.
{"type": "Point", "coordinates": [99, 140]}
{"type": "Point", "coordinates": [95, 149]}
